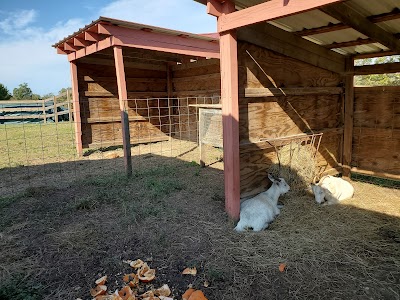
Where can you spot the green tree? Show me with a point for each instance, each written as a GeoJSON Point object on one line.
{"type": "Point", "coordinates": [47, 96]}
{"type": "Point", "coordinates": [63, 92]}
{"type": "Point", "coordinates": [22, 92]}
{"type": "Point", "coordinates": [377, 79]}
{"type": "Point", "coordinates": [4, 93]}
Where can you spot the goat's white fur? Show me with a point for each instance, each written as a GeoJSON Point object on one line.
{"type": "Point", "coordinates": [259, 211]}
{"type": "Point", "coordinates": [332, 190]}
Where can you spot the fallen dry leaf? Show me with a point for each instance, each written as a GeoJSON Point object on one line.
{"type": "Point", "coordinates": [146, 274]}
{"type": "Point", "coordinates": [163, 291]}
{"type": "Point", "coordinates": [101, 281]}
{"type": "Point", "coordinates": [197, 295]}
{"type": "Point", "coordinates": [165, 298]}
{"type": "Point", "coordinates": [187, 294]}
{"type": "Point", "coordinates": [98, 290]}
{"type": "Point", "coordinates": [282, 267]}
{"type": "Point", "coordinates": [126, 293]}
{"type": "Point", "coordinates": [190, 271]}
{"type": "Point", "coordinates": [131, 279]}
{"type": "Point", "coordinates": [136, 264]}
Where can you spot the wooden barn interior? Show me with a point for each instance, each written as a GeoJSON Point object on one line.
{"type": "Point", "coordinates": [282, 68]}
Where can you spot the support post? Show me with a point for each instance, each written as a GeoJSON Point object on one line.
{"type": "Point", "coordinates": [230, 115]}
{"type": "Point", "coordinates": [348, 116]}
{"type": "Point", "coordinates": [55, 109]}
{"type": "Point", "coordinates": [123, 97]}
{"type": "Point", "coordinates": [44, 112]}
{"type": "Point", "coordinates": [76, 107]}
{"type": "Point", "coordinates": [69, 106]}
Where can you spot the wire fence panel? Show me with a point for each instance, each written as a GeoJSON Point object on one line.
{"type": "Point", "coordinates": [161, 130]}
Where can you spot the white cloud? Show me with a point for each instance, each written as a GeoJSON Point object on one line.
{"type": "Point", "coordinates": [17, 20]}
{"type": "Point", "coordinates": [30, 58]}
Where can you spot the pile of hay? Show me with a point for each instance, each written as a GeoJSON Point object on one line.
{"type": "Point", "coordinates": [296, 163]}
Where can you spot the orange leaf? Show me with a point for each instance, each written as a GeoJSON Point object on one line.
{"type": "Point", "coordinates": [187, 294]}
{"type": "Point", "coordinates": [282, 267]}
{"type": "Point", "coordinates": [190, 271]}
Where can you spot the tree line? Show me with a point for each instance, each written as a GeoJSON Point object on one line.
{"type": "Point", "coordinates": [24, 92]}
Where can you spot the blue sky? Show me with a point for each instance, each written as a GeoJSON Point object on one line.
{"type": "Point", "coordinates": [28, 28]}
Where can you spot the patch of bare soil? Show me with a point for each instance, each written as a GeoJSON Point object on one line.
{"type": "Point", "coordinates": [56, 241]}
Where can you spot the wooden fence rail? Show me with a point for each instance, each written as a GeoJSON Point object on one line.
{"type": "Point", "coordinates": [47, 108]}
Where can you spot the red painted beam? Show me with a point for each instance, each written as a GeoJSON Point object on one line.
{"type": "Point", "coordinates": [268, 11]}
{"type": "Point", "coordinates": [70, 47]}
{"type": "Point", "coordinates": [161, 42]}
{"type": "Point", "coordinates": [123, 97]}
{"type": "Point", "coordinates": [230, 116]}
{"type": "Point", "coordinates": [92, 36]}
{"type": "Point", "coordinates": [81, 42]}
{"type": "Point", "coordinates": [214, 8]}
{"type": "Point", "coordinates": [77, 109]}
{"type": "Point", "coordinates": [62, 51]}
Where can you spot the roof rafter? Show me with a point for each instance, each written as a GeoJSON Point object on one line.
{"type": "Point", "coordinates": [354, 19]}
{"type": "Point", "coordinates": [393, 15]}
{"type": "Point", "coordinates": [268, 11]}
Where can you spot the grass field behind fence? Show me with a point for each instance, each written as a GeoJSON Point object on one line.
{"type": "Point", "coordinates": [35, 144]}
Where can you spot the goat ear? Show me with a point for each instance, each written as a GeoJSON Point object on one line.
{"type": "Point", "coordinates": [270, 177]}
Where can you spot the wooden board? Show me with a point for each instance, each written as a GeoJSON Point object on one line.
{"type": "Point", "coordinates": [315, 105]}
{"type": "Point", "coordinates": [376, 133]}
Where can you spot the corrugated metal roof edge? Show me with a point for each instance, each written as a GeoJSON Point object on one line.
{"type": "Point", "coordinates": [132, 25]}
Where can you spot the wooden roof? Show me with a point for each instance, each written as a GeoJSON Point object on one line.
{"type": "Point", "coordinates": [357, 28]}
{"type": "Point", "coordinates": [107, 32]}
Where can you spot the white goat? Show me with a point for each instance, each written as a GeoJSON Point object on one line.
{"type": "Point", "coordinates": [259, 211]}
{"type": "Point", "coordinates": [331, 190]}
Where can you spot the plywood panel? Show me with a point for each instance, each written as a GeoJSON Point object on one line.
{"type": "Point", "coordinates": [261, 68]}
{"type": "Point", "coordinates": [376, 137]}
{"type": "Point", "coordinates": [269, 117]}
{"type": "Point", "coordinates": [283, 116]}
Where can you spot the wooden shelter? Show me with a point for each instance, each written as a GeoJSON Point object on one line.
{"type": "Point", "coordinates": [114, 63]}
{"type": "Point", "coordinates": [286, 68]}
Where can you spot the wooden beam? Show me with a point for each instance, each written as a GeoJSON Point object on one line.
{"type": "Point", "coordinates": [70, 47]}
{"type": "Point", "coordinates": [77, 108]}
{"type": "Point", "coordinates": [108, 62]}
{"type": "Point", "coordinates": [81, 42]}
{"type": "Point", "coordinates": [61, 50]}
{"type": "Point", "coordinates": [286, 43]}
{"type": "Point", "coordinates": [92, 36]}
{"type": "Point", "coordinates": [380, 174]}
{"type": "Point", "coordinates": [161, 42]}
{"type": "Point", "coordinates": [377, 69]}
{"type": "Point", "coordinates": [354, 19]}
{"type": "Point", "coordinates": [214, 8]}
{"type": "Point", "coordinates": [348, 118]}
{"type": "Point", "coordinates": [349, 43]}
{"type": "Point", "coordinates": [123, 97]}
{"type": "Point", "coordinates": [374, 54]}
{"type": "Point", "coordinates": [230, 116]}
{"type": "Point", "coordinates": [394, 14]}
{"type": "Point", "coordinates": [268, 11]}
{"type": "Point", "coordinates": [276, 92]}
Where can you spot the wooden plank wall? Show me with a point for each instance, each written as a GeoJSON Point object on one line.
{"type": "Point", "coordinates": [100, 107]}
{"type": "Point", "coordinates": [278, 116]}
{"type": "Point", "coordinates": [194, 83]}
{"type": "Point", "coordinates": [376, 133]}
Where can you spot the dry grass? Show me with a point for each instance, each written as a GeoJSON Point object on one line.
{"type": "Point", "coordinates": [56, 241]}
{"type": "Point", "coordinates": [295, 165]}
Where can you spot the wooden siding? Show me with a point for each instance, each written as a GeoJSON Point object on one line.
{"type": "Point", "coordinates": [100, 112]}
{"type": "Point", "coordinates": [279, 116]}
{"type": "Point", "coordinates": [376, 132]}
{"type": "Point", "coordinates": [193, 83]}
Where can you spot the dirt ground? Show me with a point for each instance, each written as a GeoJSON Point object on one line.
{"type": "Point", "coordinates": [57, 237]}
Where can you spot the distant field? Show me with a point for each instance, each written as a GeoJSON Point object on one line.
{"type": "Point", "coordinates": [34, 144]}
